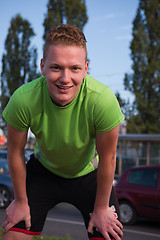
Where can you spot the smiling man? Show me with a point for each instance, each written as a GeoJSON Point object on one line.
{"type": "Point", "coordinates": [71, 114]}
{"type": "Point", "coordinates": [64, 68]}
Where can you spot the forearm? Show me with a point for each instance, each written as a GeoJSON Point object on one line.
{"type": "Point", "coordinates": [17, 168]}
{"type": "Point", "coordinates": [16, 162]}
{"type": "Point", "coordinates": [104, 218]}
{"type": "Point", "coordinates": [105, 176]}
{"type": "Point", "coordinates": [19, 209]}
{"type": "Point", "coordinates": [106, 145]}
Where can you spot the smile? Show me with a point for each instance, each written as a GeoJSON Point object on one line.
{"type": "Point", "coordinates": [61, 87]}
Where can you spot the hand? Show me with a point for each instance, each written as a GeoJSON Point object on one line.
{"type": "Point", "coordinates": [105, 221]}
{"type": "Point", "coordinates": [15, 213]}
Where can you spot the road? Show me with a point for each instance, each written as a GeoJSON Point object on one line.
{"type": "Point", "coordinates": [66, 220]}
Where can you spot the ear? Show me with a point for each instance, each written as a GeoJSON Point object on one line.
{"type": "Point", "coordinates": [86, 68]}
{"type": "Point", "coordinates": [42, 66]}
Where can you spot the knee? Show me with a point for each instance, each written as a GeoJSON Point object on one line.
{"type": "Point", "coordinates": [16, 236]}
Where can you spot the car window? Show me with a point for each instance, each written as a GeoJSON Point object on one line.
{"type": "Point", "coordinates": [144, 177]}
{"type": "Point", "coordinates": [3, 155]}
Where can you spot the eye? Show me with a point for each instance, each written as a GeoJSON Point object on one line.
{"type": "Point", "coordinates": [55, 68]}
{"type": "Point", "coordinates": [75, 68]}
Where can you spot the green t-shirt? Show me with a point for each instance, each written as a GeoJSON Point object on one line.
{"type": "Point", "coordinates": [65, 136]}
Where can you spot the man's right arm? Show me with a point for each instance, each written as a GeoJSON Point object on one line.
{"type": "Point", "coordinates": [18, 210]}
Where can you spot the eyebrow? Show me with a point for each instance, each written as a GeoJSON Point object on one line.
{"type": "Point", "coordinates": [59, 65]}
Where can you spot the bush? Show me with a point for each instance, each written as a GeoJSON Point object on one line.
{"type": "Point", "coordinates": [43, 237]}
{"type": "Point", "coordinates": [51, 238]}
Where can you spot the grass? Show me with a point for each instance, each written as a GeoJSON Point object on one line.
{"type": "Point", "coordinates": [51, 238]}
{"type": "Point", "coordinates": [44, 237]}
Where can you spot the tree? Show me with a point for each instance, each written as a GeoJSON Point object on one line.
{"type": "Point", "coordinates": [144, 83]}
{"type": "Point", "coordinates": [19, 60]}
{"type": "Point", "coordinates": [71, 12]}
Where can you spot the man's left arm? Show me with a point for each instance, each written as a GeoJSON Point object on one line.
{"type": "Point", "coordinates": [103, 217]}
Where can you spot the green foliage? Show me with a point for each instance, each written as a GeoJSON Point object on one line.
{"type": "Point", "coordinates": [71, 12]}
{"type": "Point", "coordinates": [19, 60]}
{"type": "Point", "coordinates": [44, 237]}
{"type": "Point", "coordinates": [51, 238]}
{"type": "Point", "coordinates": [144, 83]}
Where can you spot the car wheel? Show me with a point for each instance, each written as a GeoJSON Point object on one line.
{"type": "Point", "coordinates": [4, 197]}
{"type": "Point", "coordinates": [128, 213]}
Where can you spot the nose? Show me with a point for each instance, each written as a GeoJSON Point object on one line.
{"type": "Point", "coordinates": [65, 76]}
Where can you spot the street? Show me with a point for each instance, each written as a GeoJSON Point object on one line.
{"type": "Point", "coordinates": [66, 220]}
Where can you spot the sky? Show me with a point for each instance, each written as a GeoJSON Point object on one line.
{"type": "Point", "coordinates": [108, 33]}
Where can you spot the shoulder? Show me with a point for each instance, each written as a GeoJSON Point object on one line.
{"type": "Point", "coordinates": [27, 96]}
{"type": "Point", "coordinates": [97, 90]}
{"type": "Point", "coordinates": [23, 104]}
{"type": "Point", "coordinates": [93, 85]}
{"type": "Point", "coordinates": [105, 108]}
{"type": "Point", "coordinates": [31, 87]}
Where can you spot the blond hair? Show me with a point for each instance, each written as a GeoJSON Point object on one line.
{"type": "Point", "coordinates": [66, 35]}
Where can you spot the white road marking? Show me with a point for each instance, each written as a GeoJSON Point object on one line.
{"type": "Point", "coordinates": [65, 221]}
{"type": "Point", "coordinates": [142, 233]}
{"type": "Point", "coordinates": [82, 224]}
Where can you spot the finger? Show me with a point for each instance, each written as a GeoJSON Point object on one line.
{"type": "Point", "coordinates": [119, 224]}
{"type": "Point", "coordinates": [5, 218]}
{"type": "Point", "coordinates": [90, 227]}
{"type": "Point", "coordinates": [7, 227]}
{"type": "Point", "coordinates": [114, 235]}
{"type": "Point", "coordinates": [118, 230]}
{"type": "Point", "coordinates": [5, 221]}
{"type": "Point", "coordinates": [28, 224]}
{"type": "Point", "coordinates": [105, 235]}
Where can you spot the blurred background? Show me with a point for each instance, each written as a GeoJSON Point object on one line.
{"type": "Point", "coordinates": [123, 41]}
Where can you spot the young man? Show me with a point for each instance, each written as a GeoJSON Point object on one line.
{"type": "Point", "coordinates": [70, 114]}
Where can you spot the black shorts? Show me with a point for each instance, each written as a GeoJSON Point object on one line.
{"type": "Point", "coordinates": [45, 190]}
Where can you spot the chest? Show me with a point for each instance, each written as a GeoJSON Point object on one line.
{"type": "Point", "coordinates": [65, 126]}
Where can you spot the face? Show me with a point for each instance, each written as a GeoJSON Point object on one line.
{"type": "Point", "coordinates": [64, 69]}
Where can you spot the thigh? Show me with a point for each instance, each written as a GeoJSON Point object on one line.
{"type": "Point", "coordinates": [86, 193]}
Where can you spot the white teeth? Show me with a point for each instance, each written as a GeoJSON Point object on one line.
{"type": "Point", "coordinates": [63, 87]}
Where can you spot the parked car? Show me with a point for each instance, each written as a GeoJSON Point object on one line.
{"type": "Point", "coordinates": [6, 188]}
{"type": "Point", "coordinates": [3, 154]}
{"type": "Point", "coordinates": [4, 167]}
{"type": "Point", "coordinates": [138, 192]}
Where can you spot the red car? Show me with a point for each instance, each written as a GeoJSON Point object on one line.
{"type": "Point", "coordinates": [138, 192]}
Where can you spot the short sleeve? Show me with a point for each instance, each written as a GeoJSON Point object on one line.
{"type": "Point", "coordinates": [16, 112]}
{"type": "Point", "coordinates": [107, 112]}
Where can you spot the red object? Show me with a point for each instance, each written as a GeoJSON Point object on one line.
{"type": "Point", "coordinates": [139, 188]}
{"type": "Point", "coordinates": [24, 231]}
{"type": "Point", "coordinates": [2, 140]}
